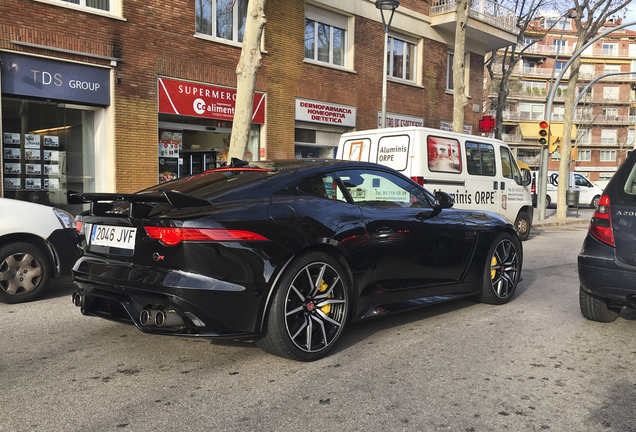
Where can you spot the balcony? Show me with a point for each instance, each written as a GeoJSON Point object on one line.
{"type": "Point", "coordinates": [490, 23]}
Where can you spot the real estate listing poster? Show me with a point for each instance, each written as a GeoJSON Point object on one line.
{"type": "Point", "coordinates": [11, 138]}
{"type": "Point", "coordinates": [12, 168]}
{"type": "Point", "coordinates": [32, 141]}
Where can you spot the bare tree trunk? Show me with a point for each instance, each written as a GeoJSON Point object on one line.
{"type": "Point", "coordinates": [459, 85]}
{"type": "Point", "coordinates": [246, 71]}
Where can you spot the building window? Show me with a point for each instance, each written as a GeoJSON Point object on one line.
{"type": "Point", "coordinates": [612, 68]}
{"type": "Point", "coordinates": [556, 155]}
{"type": "Point", "coordinates": [608, 155]}
{"type": "Point", "coordinates": [585, 155]}
{"type": "Point", "coordinates": [110, 6]}
{"type": "Point", "coordinates": [610, 93]}
{"type": "Point", "coordinates": [533, 88]}
{"type": "Point", "coordinates": [530, 111]}
{"type": "Point", "coordinates": [218, 19]}
{"type": "Point", "coordinates": [558, 45]}
{"type": "Point", "coordinates": [630, 137]}
{"type": "Point", "coordinates": [584, 136]}
{"type": "Point", "coordinates": [325, 36]}
{"type": "Point", "coordinates": [559, 65]}
{"type": "Point", "coordinates": [610, 114]}
{"type": "Point", "coordinates": [401, 59]}
{"type": "Point", "coordinates": [610, 49]}
{"type": "Point", "coordinates": [608, 136]}
{"type": "Point", "coordinates": [558, 113]}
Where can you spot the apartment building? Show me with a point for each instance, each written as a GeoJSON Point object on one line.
{"type": "Point", "coordinates": [604, 118]}
{"type": "Point", "coordinates": [113, 95]}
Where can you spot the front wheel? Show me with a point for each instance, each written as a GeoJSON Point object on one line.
{"type": "Point", "coordinates": [309, 309]}
{"type": "Point", "coordinates": [24, 272]}
{"type": "Point", "coordinates": [502, 270]}
{"type": "Point", "coordinates": [523, 226]}
{"type": "Point", "coordinates": [595, 308]}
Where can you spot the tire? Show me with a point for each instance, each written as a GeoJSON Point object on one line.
{"type": "Point", "coordinates": [24, 272]}
{"type": "Point", "coordinates": [594, 203]}
{"type": "Point", "coordinates": [595, 308]}
{"type": "Point", "coordinates": [306, 317]}
{"type": "Point", "coordinates": [523, 226]}
{"type": "Point", "coordinates": [501, 270]}
{"type": "Point", "coordinates": [548, 201]}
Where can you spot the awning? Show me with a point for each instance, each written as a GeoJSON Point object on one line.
{"type": "Point", "coordinates": [531, 130]}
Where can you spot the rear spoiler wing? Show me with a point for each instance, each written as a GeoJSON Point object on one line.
{"type": "Point", "coordinates": [174, 199]}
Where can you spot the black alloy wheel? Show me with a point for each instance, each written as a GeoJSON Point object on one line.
{"type": "Point", "coordinates": [502, 270]}
{"type": "Point", "coordinates": [309, 309]}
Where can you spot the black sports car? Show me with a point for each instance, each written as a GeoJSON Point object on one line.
{"type": "Point", "coordinates": [286, 252]}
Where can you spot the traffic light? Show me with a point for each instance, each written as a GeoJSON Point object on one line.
{"type": "Point", "coordinates": [543, 133]}
{"type": "Point", "coordinates": [574, 154]}
{"type": "Point", "coordinates": [554, 143]}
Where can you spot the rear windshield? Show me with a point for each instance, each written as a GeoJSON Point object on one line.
{"type": "Point", "coordinates": [214, 183]}
{"type": "Point", "coordinates": [622, 187]}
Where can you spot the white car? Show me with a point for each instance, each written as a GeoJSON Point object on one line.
{"type": "Point", "coordinates": [37, 242]}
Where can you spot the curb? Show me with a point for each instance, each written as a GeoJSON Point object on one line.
{"type": "Point", "coordinates": [555, 222]}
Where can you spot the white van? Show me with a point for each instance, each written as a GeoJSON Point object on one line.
{"type": "Point", "coordinates": [480, 173]}
{"type": "Point", "coordinates": [589, 193]}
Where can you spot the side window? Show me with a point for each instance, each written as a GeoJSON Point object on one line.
{"type": "Point", "coordinates": [322, 186]}
{"type": "Point", "coordinates": [581, 181]}
{"type": "Point", "coordinates": [444, 155]}
{"type": "Point", "coordinates": [480, 159]}
{"type": "Point", "coordinates": [509, 166]}
{"type": "Point", "coordinates": [380, 189]}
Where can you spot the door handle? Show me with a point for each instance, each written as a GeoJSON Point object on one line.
{"type": "Point", "coordinates": [383, 232]}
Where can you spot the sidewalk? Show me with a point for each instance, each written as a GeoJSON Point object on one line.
{"type": "Point", "coordinates": [585, 214]}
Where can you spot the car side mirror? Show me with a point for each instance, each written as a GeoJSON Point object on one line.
{"type": "Point", "coordinates": [444, 200]}
{"type": "Point", "coordinates": [527, 177]}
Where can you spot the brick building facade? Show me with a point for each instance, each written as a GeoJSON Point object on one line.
{"type": "Point", "coordinates": [113, 145]}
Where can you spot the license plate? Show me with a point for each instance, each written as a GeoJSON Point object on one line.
{"type": "Point", "coordinates": [113, 236]}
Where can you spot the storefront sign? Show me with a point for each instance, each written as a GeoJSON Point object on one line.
{"type": "Point", "coordinates": [448, 126]}
{"type": "Point", "coordinates": [52, 79]}
{"type": "Point", "coordinates": [326, 113]}
{"type": "Point", "coordinates": [601, 169]}
{"type": "Point", "coordinates": [397, 120]}
{"type": "Point", "coordinates": [200, 100]}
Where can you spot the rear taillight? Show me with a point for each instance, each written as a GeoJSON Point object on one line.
{"type": "Point", "coordinates": [418, 180]}
{"type": "Point", "coordinates": [78, 226]}
{"type": "Point", "coordinates": [533, 189]}
{"type": "Point", "coordinates": [601, 224]}
{"type": "Point", "coordinates": [172, 236]}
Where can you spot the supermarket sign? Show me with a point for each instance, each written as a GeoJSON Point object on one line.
{"type": "Point", "coordinates": [200, 100]}
{"type": "Point", "coordinates": [326, 113]}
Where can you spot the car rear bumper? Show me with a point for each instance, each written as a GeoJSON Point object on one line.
{"type": "Point", "coordinates": [602, 275]}
{"type": "Point", "coordinates": [201, 305]}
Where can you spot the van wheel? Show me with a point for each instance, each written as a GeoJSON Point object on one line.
{"type": "Point", "coordinates": [523, 226]}
{"type": "Point", "coordinates": [594, 203]}
{"type": "Point", "coordinates": [548, 201]}
{"type": "Point", "coordinates": [595, 308]}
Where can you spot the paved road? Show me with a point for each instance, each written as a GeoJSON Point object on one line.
{"type": "Point", "coordinates": [532, 365]}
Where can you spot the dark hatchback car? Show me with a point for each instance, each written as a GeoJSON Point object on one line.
{"type": "Point", "coordinates": [285, 252]}
{"type": "Point", "coordinates": [607, 261]}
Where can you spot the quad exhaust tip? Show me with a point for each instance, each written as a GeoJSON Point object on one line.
{"type": "Point", "coordinates": [160, 318]}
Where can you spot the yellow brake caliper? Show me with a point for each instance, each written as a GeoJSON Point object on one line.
{"type": "Point", "coordinates": [493, 271]}
{"type": "Point", "coordinates": [322, 288]}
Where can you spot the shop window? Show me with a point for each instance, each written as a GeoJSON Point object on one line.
{"type": "Point", "coordinates": [480, 159]}
{"type": "Point", "coordinates": [217, 18]}
{"type": "Point", "coordinates": [444, 155]}
{"type": "Point", "coordinates": [48, 151]}
{"type": "Point", "coordinates": [326, 36]}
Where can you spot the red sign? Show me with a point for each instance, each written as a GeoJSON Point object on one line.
{"type": "Point", "coordinates": [200, 100]}
{"type": "Point", "coordinates": [486, 124]}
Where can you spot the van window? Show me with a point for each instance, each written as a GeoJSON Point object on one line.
{"type": "Point", "coordinates": [444, 155]}
{"type": "Point", "coordinates": [579, 180]}
{"type": "Point", "coordinates": [480, 159]}
{"type": "Point", "coordinates": [371, 188]}
{"type": "Point", "coordinates": [509, 167]}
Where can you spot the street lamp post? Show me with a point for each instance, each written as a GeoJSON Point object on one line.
{"type": "Point", "coordinates": [386, 5]}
